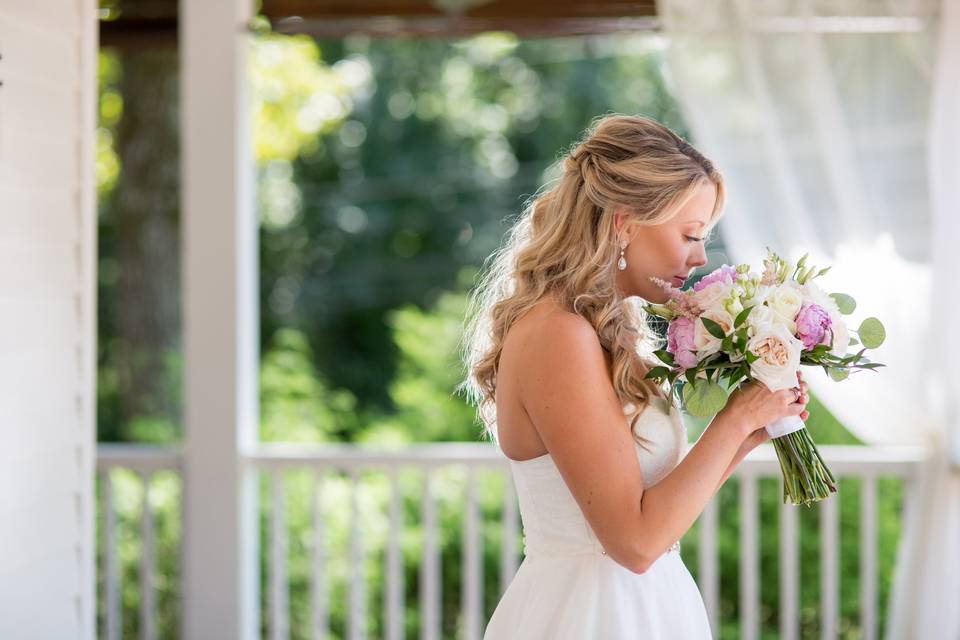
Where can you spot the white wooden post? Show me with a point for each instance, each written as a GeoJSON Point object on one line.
{"type": "Point", "coordinates": [48, 322]}
{"type": "Point", "coordinates": [220, 323]}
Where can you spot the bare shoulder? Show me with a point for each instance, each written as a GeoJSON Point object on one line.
{"type": "Point", "coordinates": [561, 353]}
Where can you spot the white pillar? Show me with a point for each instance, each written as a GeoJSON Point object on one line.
{"type": "Point", "coordinates": [220, 323]}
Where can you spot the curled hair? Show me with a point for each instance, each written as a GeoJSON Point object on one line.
{"type": "Point", "coordinates": [564, 244]}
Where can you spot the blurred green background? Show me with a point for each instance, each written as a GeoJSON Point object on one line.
{"type": "Point", "coordinates": [387, 170]}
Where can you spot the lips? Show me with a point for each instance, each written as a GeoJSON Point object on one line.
{"type": "Point", "coordinates": [679, 280]}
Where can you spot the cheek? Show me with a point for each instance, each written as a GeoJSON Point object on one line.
{"type": "Point", "coordinates": [667, 250]}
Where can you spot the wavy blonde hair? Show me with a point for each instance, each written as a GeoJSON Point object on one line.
{"type": "Point", "coordinates": [564, 243]}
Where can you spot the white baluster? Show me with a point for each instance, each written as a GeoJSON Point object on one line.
{"type": "Point", "coordinates": [749, 621]}
{"type": "Point", "coordinates": [828, 568]}
{"type": "Point", "coordinates": [279, 611]}
{"type": "Point", "coordinates": [789, 617]}
{"type": "Point", "coordinates": [358, 593]}
{"type": "Point", "coordinates": [471, 549]}
{"type": "Point", "coordinates": [430, 567]}
{"type": "Point", "coordinates": [868, 556]}
{"type": "Point", "coordinates": [112, 579]}
{"type": "Point", "coordinates": [319, 591]}
{"type": "Point", "coordinates": [147, 562]}
{"type": "Point", "coordinates": [395, 599]}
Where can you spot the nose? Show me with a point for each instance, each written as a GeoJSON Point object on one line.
{"type": "Point", "coordinates": [699, 257]}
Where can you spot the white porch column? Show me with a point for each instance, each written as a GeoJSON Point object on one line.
{"type": "Point", "coordinates": [220, 323]}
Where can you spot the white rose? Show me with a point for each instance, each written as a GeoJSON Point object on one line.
{"type": "Point", "coordinates": [785, 300]}
{"type": "Point", "coordinates": [706, 343]}
{"type": "Point", "coordinates": [778, 357]}
{"type": "Point", "coordinates": [761, 316]}
{"type": "Point", "coordinates": [712, 294]}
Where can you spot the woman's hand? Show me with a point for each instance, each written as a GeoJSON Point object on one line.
{"type": "Point", "coordinates": [755, 406]}
{"type": "Point", "coordinates": [759, 436]}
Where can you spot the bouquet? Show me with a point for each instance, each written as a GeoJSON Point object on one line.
{"type": "Point", "coordinates": [734, 325]}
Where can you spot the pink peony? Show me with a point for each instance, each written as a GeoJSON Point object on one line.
{"type": "Point", "coordinates": [725, 273]}
{"type": "Point", "coordinates": [813, 323]}
{"type": "Point", "coordinates": [680, 343]}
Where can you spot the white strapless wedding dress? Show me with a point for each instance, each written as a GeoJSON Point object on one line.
{"type": "Point", "coordinates": [568, 588]}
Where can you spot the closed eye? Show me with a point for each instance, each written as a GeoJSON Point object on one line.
{"type": "Point", "coordinates": [692, 239]}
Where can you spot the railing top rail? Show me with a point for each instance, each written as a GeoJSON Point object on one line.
{"type": "Point", "coordinates": [139, 457]}
{"type": "Point", "coordinates": [842, 459]}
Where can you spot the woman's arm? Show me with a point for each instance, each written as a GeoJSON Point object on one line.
{"type": "Point", "coordinates": [566, 389]}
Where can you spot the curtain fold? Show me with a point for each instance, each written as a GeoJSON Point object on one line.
{"type": "Point", "coordinates": [836, 128]}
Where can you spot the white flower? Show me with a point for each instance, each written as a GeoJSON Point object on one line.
{"type": "Point", "coordinates": [778, 357]}
{"type": "Point", "coordinates": [841, 337]}
{"type": "Point", "coordinates": [760, 293]}
{"type": "Point", "coordinates": [785, 300]}
{"type": "Point", "coordinates": [820, 297]}
{"type": "Point", "coordinates": [712, 294]}
{"type": "Point", "coordinates": [761, 316]}
{"type": "Point", "coordinates": [706, 343]}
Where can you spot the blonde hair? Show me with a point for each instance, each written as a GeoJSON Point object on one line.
{"type": "Point", "coordinates": [564, 244]}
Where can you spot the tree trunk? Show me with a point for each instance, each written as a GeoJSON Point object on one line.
{"type": "Point", "coordinates": [146, 211]}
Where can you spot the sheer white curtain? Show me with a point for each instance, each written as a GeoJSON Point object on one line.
{"type": "Point", "coordinates": [836, 128]}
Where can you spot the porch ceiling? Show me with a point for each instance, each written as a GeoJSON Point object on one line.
{"type": "Point", "coordinates": [132, 23]}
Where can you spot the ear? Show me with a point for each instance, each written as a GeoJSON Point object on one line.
{"type": "Point", "coordinates": [623, 227]}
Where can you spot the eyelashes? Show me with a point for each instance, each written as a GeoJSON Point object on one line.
{"type": "Point", "coordinates": [691, 239]}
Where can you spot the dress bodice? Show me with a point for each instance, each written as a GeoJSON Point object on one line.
{"type": "Point", "coordinates": [552, 521]}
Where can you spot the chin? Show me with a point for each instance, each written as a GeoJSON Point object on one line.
{"type": "Point", "coordinates": [657, 296]}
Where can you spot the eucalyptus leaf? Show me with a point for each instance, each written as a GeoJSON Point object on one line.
{"type": "Point", "coordinates": [839, 374]}
{"type": "Point", "coordinates": [704, 398]}
{"type": "Point", "coordinates": [845, 303]}
{"type": "Point", "coordinates": [872, 334]}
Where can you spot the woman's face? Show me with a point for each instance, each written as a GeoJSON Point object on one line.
{"type": "Point", "coordinates": [669, 250]}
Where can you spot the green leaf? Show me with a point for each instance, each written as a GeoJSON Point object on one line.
{"type": "Point", "coordinates": [751, 357]}
{"type": "Point", "coordinates": [838, 373]}
{"type": "Point", "coordinates": [657, 372]}
{"type": "Point", "coordinates": [691, 375]}
{"type": "Point", "coordinates": [845, 303]}
{"type": "Point", "coordinates": [715, 329]}
{"type": "Point", "coordinates": [664, 356]}
{"type": "Point", "coordinates": [742, 317]}
{"type": "Point", "coordinates": [852, 342]}
{"type": "Point", "coordinates": [872, 334]}
{"type": "Point", "coordinates": [703, 398]}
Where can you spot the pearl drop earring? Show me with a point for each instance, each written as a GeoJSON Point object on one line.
{"type": "Point", "coordinates": [622, 262]}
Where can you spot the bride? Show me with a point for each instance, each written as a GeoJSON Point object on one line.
{"type": "Point", "coordinates": [557, 347]}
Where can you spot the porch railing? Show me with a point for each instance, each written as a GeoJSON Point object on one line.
{"type": "Point", "coordinates": [334, 476]}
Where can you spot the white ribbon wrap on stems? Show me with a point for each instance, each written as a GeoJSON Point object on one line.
{"type": "Point", "coordinates": [783, 426]}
